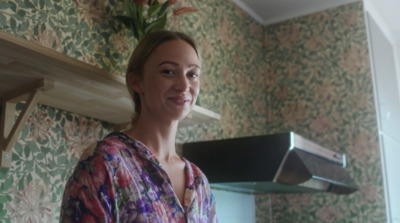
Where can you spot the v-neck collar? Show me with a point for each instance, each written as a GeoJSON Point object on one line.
{"type": "Point", "coordinates": [145, 153]}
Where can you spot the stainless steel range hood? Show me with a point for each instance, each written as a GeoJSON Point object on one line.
{"type": "Point", "coordinates": [279, 163]}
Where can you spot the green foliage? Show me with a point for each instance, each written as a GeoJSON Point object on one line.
{"type": "Point", "coordinates": [6, 185]}
{"type": "Point", "coordinates": [3, 19]}
{"type": "Point", "coordinates": [27, 152]}
{"type": "Point", "coordinates": [12, 6]}
{"type": "Point", "coordinates": [13, 23]}
{"type": "Point", "coordinates": [50, 112]}
{"type": "Point", "coordinates": [75, 31]}
{"type": "Point", "coordinates": [28, 4]}
{"type": "Point", "coordinates": [142, 18]}
{"type": "Point", "coordinates": [4, 5]}
{"type": "Point", "coordinates": [18, 148]}
{"type": "Point", "coordinates": [68, 117]}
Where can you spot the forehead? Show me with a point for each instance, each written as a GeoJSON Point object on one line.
{"type": "Point", "coordinates": [175, 49]}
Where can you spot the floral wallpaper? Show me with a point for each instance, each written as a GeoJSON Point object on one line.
{"type": "Point", "coordinates": [43, 157]}
{"type": "Point", "coordinates": [232, 80]}
{"type": "Point", "coordinates": [309, 74]}
{"type": "Point", "coordinates": [52, 140]}
{"type": "Point", "coordinates": [319, 84]}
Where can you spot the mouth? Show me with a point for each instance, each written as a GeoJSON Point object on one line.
{"type": "Point", "coordinates": [179, 100]}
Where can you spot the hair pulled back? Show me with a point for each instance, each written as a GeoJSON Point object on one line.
{"type": "Point", "coordinates": [140, 55]}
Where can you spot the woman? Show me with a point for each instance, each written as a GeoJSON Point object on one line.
{"type": "Point", "coordinates": [137, 176]}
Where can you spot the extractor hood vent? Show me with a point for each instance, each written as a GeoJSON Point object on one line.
{"type": "Point", "coordinates": [278, 163]}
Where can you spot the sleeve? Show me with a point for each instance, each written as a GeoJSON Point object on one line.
{"type": "Point", "coordinates": [89, 194]}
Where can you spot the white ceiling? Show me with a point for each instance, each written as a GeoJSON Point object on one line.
{"type": "Point", "coordinates": [267, 12]}
{"type": "Point", "coordinates": [272, 11]}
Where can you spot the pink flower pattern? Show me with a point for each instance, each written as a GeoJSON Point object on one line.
{"type": "Point", "coordinates": [80, 134]}
{"type": "Point", "coordinates": [39, 126]}
{"type": "Point", "coordinates": [122, 181]}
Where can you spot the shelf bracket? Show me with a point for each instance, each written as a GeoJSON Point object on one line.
{"type": "Point", "coordinates": [10, 130]}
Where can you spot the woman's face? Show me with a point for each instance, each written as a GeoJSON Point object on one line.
{"type": "Point", "coordinates": [171, 81]}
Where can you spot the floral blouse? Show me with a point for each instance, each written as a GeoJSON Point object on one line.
{"type": "Point", "coordinates": [120, 180]}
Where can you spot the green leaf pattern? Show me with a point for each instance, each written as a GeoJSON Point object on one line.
{"type": "Point", "coordinates": [320, 86]}
{"type": "Point", "coordinates": [309, 74]}
{"type": "Point", "coordinates": [43, 158]}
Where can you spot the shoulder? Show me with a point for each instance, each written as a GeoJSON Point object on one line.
{"type": "Point", "coordinates": [100, 158]}
{"type": "Point", "coordinates": [103, 155]}
{"type": "Point", "coordinates": [109, 145]}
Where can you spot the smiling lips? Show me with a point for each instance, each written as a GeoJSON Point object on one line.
{"type": "Point", "coordinates": [179, 100]}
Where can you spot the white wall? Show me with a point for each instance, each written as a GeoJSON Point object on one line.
{"type": "Point", "coordinates": [392, 158]}
{"type": "Point", "coordinates": [387, 16]}
{"type": "Point", "coordinates": [235, 207]}
{"type": "Point", "coordinates": [385, 68]}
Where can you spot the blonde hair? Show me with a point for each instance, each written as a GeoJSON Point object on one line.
{"type": "Point", "coordinates": [140, 55]}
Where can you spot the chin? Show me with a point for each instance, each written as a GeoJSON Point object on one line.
{"type": "Point", "coordinates": [183, 114]}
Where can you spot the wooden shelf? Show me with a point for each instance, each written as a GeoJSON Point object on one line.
{"type": "Point", "coordinates": [78, 87]}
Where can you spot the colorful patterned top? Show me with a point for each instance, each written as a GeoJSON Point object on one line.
{"type": "Point", "coordinates": [121, 180]}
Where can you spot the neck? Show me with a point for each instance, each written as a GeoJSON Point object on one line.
{"type": "Point", "coordinates": [158, 136]}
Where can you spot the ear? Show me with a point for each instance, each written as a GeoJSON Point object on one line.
{"type": "Point", "coordinates": [135, 83]}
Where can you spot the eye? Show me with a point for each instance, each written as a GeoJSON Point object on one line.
{"type": "Point", "coordinates": [167, 71]}
{"type": "Point", "coordinates": [193, 75]}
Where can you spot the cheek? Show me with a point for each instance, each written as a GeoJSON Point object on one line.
{"type": "Point", "coordinates": [196, 88]}
{"type": "Point", "coordinates": [158, 85]}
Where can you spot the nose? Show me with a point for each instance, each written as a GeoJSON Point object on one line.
{"type": "Point", "coordinates": [181, 83]}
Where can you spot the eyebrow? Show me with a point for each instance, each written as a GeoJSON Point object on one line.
{"type": "Point", "coordinates": [176, 64]}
